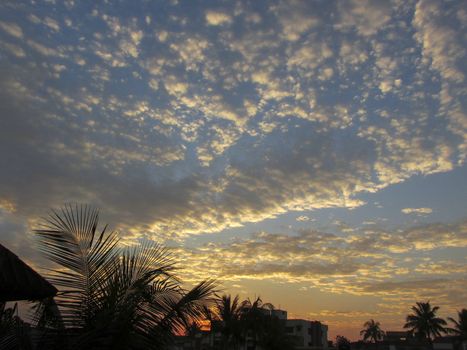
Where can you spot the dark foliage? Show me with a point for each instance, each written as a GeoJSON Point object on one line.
{"type": "Point", "coordinates": [423, 323]}
{"type": "Point", "coordinates": [111, 298]}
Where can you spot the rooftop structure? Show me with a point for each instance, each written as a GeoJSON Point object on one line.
{"type": "Point", "coordinates": [307, 334]}
{"type": "Point", "coordinates": [18, 281]}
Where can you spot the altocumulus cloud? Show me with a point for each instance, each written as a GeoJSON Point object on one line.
{"type": "Point", "coordinates": [373, 262]}
{"type": "Point", "coordinates": [204, 118]}
{"type": "Point", "coordinates": [417, 211]}
{"type": "Point", "coordinates": [184, 121]}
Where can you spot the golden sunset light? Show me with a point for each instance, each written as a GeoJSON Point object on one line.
{"type": "Point", "coordinates": [309, 153]}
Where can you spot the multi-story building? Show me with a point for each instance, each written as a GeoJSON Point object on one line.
{"type": "Point", "coordinates": [307, 334]}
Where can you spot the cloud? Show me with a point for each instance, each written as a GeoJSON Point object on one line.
{"type": "Point", "coordinates": [191, 51]}
{"type": "Point", "coordinates": [438, 40]}
{"type": "Point", "coordinates": [417, 211]}
{"type": "Point", "coordinates": [382, 264]}
{"type": "Point", "coordinates": [444, 52]}
{"type": "Point", "coordinates": [353, 53]}
{"type": "Point", "coordinates": [447, 292]}
{"type": "Point", "coordinates": [442, 267]}
{"type": "Point", "coordinates": [204, 128]}
{"type": "Point", "coordinates": [310, 55]}
{"type": "Point", "coordinates": [43, 49]}
{"type": "Point", "coordinates": [202, 125]}
{"type": "Point", "coordinates": [295, 17]}
{"type": "Point", "coordinates": [367, 17]}
{"type": "Point", "coordinates": [370, 254]}
{"type": "Point", "coordinates": [12, 29]}
{"type": "Point", "coordinates": [175, 87]}
{"type": "Point", "coordinates": [7, 206]}
{"type": "Point", "coordinates": [52, 24]}
{"type": "Point", "coordinates": [385, 86]}
{"type": "Point", "coordinates": [277, 176]}
{"type": "Point", "coordinates": [13, 49]}
{"type": "Point", "coordinates": [217, 18]}
{"type": "Point", "coordinates": [121, 45]}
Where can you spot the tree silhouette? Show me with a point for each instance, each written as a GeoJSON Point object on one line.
{"type": "Point", "coordinates": [342, 343]}
{"type": "Point", "coordinates": [424, 323]}
{"type": "Point", "coordinates": [13, 332]}
{"type": "Point", "coordinates": [111, 297]}
{"type": "Point", "coordinates": [460, 325]}
{"type": "Point", "coordinates": [251, 321]}
{"type": "Point", "coordinates": [253, 315]}
{"type": "Point", "coordinates": [227, 312]}
{"type": "Point", "coordinates": [372, 331]}
{"type": "Point", "coordinates": [264, 330]}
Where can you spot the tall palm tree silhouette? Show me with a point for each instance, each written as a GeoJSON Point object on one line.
{"type": "Point", "coordinates": [253, 319]}
{"type": "Point", "coordinates": [424, 323]}
{"type": "Point", "coordinates": [250, 324]}
{"type": "Point", "coordinates": [228, 312]}
{"type": "Point", "coordinates": [111, 297]}
{"type": "Point", "coordinates": [372, 331]}
{"type": "Point", "coordinates": [460, 325]}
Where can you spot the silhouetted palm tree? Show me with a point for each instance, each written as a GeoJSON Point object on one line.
{"type": "Point", "coordinates": [252, 319]}
{"type": "Point", "coordinates": [14, 334]}
{"type": "Point", "coordinates": [228, 312]}
{"type": "Point", "coordinates": [424, 323]}
{"type": "Point", "coordinates": [248, 321]}
{"type": "Point", "coordinates": [112, 298]}
{"type": "Point", "coordinates": [372, 331]}
{"type": "Point", "coordinates": [460, 325]}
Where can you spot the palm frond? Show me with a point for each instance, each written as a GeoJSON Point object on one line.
{"type": "Point", "coordinates": [190, 306]}
{"type": "Point", "coordinates": [111, 297]}
{"type": "Point", "coordinates": [423, 322]}
{"type": "Point", "coordinates": [70, 238]}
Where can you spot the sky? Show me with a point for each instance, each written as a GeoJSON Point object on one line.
{"type": "Point", "coordinates": [312, 153]}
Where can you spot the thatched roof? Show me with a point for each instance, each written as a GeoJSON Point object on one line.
{"type": "Point", "coordinates": [20, 282]}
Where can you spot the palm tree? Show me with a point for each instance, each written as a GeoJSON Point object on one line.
{"type": "Point", "coordinates": [248, 321]}
{"type": "Point", "coordinates": [228, 311]}
{"type": "Point", "coordinates": [258, 324]}
{"type": "Point", "coordinates": [424, 323]}
{"type": "Point", "coordinates": [111, 297]}
{"type": "Point", "coordinates": [252, 318]}
{"type": "Point", "coordinates": [372, 331]}
{"type": "Point", "coordinates": [460, 326]}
